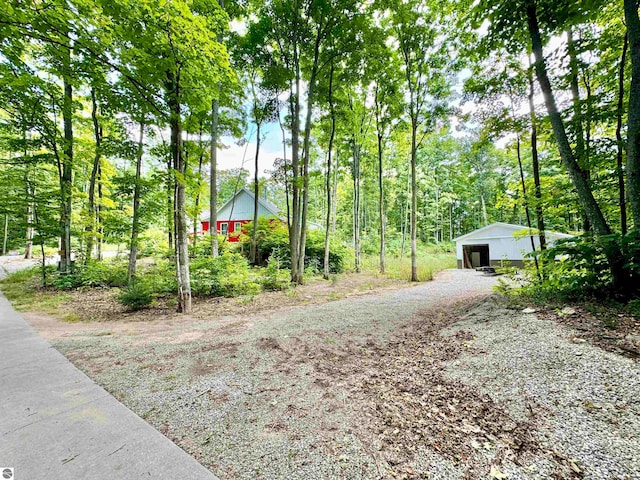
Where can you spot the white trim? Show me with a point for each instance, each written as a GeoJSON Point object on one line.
{"type": "Point", "coordinates": [515, 228]}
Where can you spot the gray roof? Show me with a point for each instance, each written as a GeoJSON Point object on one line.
{"type": "Point", "coordinates": [266, 204]}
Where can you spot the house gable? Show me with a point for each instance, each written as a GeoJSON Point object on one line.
{"type": "Point", "coordinates": [240, 207]}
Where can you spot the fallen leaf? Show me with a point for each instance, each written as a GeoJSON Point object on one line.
{"type": "Point", "coordinates": [495, 473]}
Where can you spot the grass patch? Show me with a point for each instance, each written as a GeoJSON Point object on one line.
{"type": "Point", "coordinates": [71, 318]}
{"type": "Point", "coordinates": [400, 268]}
{"type": "Point", "coordinates": [25, 294]}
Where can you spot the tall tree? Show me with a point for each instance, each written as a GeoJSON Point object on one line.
{"type": "Point", "coordinates": [633, 122]}
{"type": "Point", "coordinates": [414, 26]}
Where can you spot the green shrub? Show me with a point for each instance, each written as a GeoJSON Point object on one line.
{"type": "Point", "coordinates": [227, 275]}
{"type": "Point", "coordinates": [202, 247]}
{"type": "Point", "coordinates": [153, 242]}
{"type": "Point", "coordinates": [159, 277]}
{"type": "Point", "coordinates": [577, 268]}
{"type": "Point", "coordinates": [273, 240]}
{"type": "Point", "coordinates": [274, 277]}
{"type": "Point", "coordinates": [93, 274]}
{"type": "Point", "coordinates": [135, 297]}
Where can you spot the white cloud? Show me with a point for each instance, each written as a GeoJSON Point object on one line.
{"type": "Point", "coordinates": [243, 156]}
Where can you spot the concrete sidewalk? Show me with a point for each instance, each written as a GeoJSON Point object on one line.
{"type": "Point", "coordinates": [56, 423]}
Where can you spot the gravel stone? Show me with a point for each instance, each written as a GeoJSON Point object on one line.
{"type": "Point", "coordinates": [243, 400]}
{"type": "Point", "coordinates": [589, 399]}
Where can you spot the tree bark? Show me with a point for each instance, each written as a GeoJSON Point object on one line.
{"type": "Point", "coordinates": [182, 234]}
{"type": "Point", "coordinates": [135, 224]}
{"type": "Point", "coordinates": [213, 180]}
{"type": "Point", "coordinates": [633, 122]}
{"type": "Point", "coordinates": [66, 179]}
{"type": "Point", "coordinates": [620, 150]}
{"type": "Point", "coordinates": [383, 220]}
{"type": "Point", "coordinates": [585, 195]}
{"type": "Point", "coordinates": [414, 201]}
{"type": "Point", "coordinates": [589, 204]}
{"type": "Point", "coordinates": [356, 203]}
{"type": "Point", "coordinates": [536, 163]}
{"type": "Point", "coordinates": [577, 103]}
{"type": "Point", "coordinates": [581, 152]}
{"type": "Point", "coordinates": [526, 204]}
{"type": "Point", "coordinates": [213, 174]}
{"type": "Point", "coordinates": [6, 234]}
{"type": "Point", "coordinates": [302, 232]}
{"type": "Point", "coordinates": [97, 132]}
{"type": "Point", "coordinates": [28, 250]}
{"type": "Point", "coordinates": [327, 233]}
{"type": "Point", "coordinates": [256, 194]}
{"type": "Point", "coordinates": [294, 230]}
{"type": "Point", "coordinates": [170, 203]}
{"type": "Point", "coordinates": [197, 212]}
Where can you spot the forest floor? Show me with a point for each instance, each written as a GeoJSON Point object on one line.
{"type": "Point", "coordinates": [440, 380]}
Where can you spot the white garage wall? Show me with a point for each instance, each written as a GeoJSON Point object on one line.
{"type": "Point", "coordinates": [501, 241]}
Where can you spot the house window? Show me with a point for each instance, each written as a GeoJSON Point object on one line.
{"type": "Point", "coordinates": [237, 227]}
{"type": "Point", "coordinates": [224, 228]}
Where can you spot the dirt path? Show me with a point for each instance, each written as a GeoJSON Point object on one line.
{"type": "Point", "coordinates": [363, 388]}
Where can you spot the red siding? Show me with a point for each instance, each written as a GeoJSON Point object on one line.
{"type": "Point", "coordinates": [232, 233]}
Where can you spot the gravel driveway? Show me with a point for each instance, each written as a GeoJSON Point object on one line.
{"type": "Point", "coordinates": [368, 388]}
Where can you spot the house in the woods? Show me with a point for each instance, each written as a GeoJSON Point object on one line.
{"type": "Point", "coordinates": [237, 212]}
{"type": "Point", "coordinates": [497, 243]}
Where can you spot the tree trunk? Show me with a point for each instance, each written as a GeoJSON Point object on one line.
{"type": "Point", "coordinates": [213, 180]}
{"type": "Point", "coordinates": [405, 217]}
{"type": "Point", "coordinates": [633, 122]}
{"type": "Point", "coordinates": [589, 204]}
{"type": "Point", "coordinates": [286, 172]}
{"type": "Point", "coordinates": [100, 237]}
{"type": "Point", "coordinates": [6, 234]}
{"type": "Point", "coordinates": [356, 203]}
{"type": "Point", "coordinates": [294, 230]}
{"type": "Point", "coordinates": [327, 233]}
{"type": "Point", "coordinates": [414, 201]}
{"type": "Point", "coordinates": [66, 179]}
{"type": "Point", "coordinates": [97, 132]}
{"type": "Point", "coordinates": [302, 232]}
{"type": "Point", "coordinates": [135, 224]}
{"type": "Point", "coordinates": [535, 163]}
{"type": "Point", "coordinates": [334, 207]}
{"type": "Point", "coordinates": [620, 150]}
{"type": "Point", "coordinates": [256, 194]}
{"type": "Point", "coordinates": [383, 220]}
{"type": "Point", "coordinates": [182, 234]}
{"type": "Point", "coordinates": [170, 202]}
{"type": "Point", "coordinates": [197, 212]}
{"type": "Point", "coordinates": [581, 152]}
{"type": "Point", "coordinates": [577, 104]}
{"type": "Point", "coordinates": [28, 250]}
{"type": "Point", "coordinates": [526, 204]}
{"type": "Point", "coordinates": [213, 174]}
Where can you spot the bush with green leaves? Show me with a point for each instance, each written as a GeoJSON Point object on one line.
{"type": "Point", "coordinates": [202, 247]}
{"type": "Point", "coordinates": [159, 277]}
{"type": "Point", "coordinates": [578, 268]}
{"type": "Point", "coordinates": [136, 296]}
{"type": "Point", "coordinates": [93, 274]}
{"type": "Point", "coordinates": [274, 278]}
{"type": "Point", "coordinates": [273, 240]}
{"type": "Point", "coordinates": [227, 275]}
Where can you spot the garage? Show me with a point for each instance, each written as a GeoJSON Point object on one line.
{"type": "Point", "coordinates": [498, 244]}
